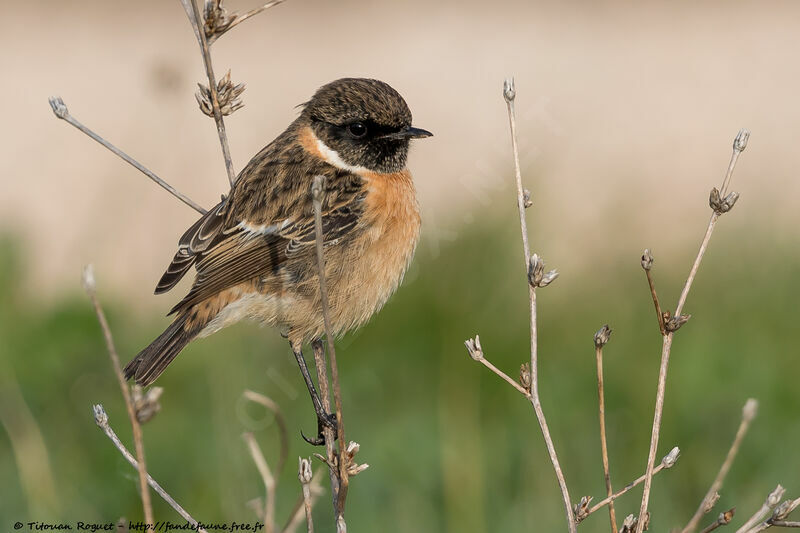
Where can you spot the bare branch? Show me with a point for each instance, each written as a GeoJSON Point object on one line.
{"type": "Point", "coordinates": [61, 111]}
{"type": "Point", "coordinates": [476, 352]}
{"type": "Point", "coordinates": [784, 523]}
{"type": "Point", "coordinates": [748, 414]}
{"type": "Point", "coordinates": [91, 289]}
{"type": "Point", "coordinates": [304, 475]}
{"type": "Point", "coordinates": [600, 339]}
{"type": "Point", "coordinates": [220, 22]}
{"type": "Point", "coordinates": [283, 433]}
{"type": "Point", "coordinates": [101, 419]}
{"type": "Point", "coordinates": [671, 326]}
{"type": "Point", "coordinates": [267, 478]}
{"type": "Point", "coordinates": [509, 94]}
{"type": "Point", "coordinates": [779, 515]}
{"type": "Point", "coordinates": [722, 520]}
{"type": "Point", "coordinates": [772, 501]}
{"type": "Point", "coordinates": [318, 193]}
{"type": "Point", "coordinates": [190, 6]}
{"type": "Point", "coordinates": [647, 265]}
{"type": "Point", "coordinates": [668, 461]}
{"type": "Point", "coordinates": [298, 511]}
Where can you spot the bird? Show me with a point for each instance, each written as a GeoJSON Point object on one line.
{"type": "Point", "coordinates": [254, 252]}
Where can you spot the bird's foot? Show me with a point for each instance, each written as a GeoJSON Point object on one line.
{"type": "Point", "coordinates": [324, 420]}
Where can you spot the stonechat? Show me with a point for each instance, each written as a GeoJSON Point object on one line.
{"type": "Point", "coordinates": [254, 252]}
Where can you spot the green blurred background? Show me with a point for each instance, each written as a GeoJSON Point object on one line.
{"type": "Point", "coordinates": [626, 114]}
{"type": "Point", "coordinates": [451, 447]}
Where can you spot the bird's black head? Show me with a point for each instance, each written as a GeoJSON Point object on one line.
{"type": "Point", "coordinates": [364, 122]}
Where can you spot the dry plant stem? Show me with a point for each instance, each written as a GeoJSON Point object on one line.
{"type": "Point", "coordinates": [696, 265]}
{"type": "Point", "coordinates": [603, 442]}
{"type": "Point", "coordinates": [307, 508]}
{"type": "Point", "coordinates": [509, 94]}
{"type": "Point", "coordinates": [89, 285]}
{"type": "Point", "coordinates": [317, 192]}
{"type": "Point", "coordinates": [662, 376]}
{"type": "Point", "coordinates": [190, 6]}
{"type": "Point", "coordinates": [719, 522]}
{"type": "Point", "coordinates": [305, 477]}
{"type": "Point", "coordinates": [242, 18]}
{"type": "Point", "coordinates": [298, 511]}
{"type": "Point", "coordinates": [739, 145]}
{"type": "Point", "coordinates": [747, 418]}
{"type": "Point", "coordinates": [785, 523]}
{"type": "Point", "coordinates": [656, 303]}
{"type": "Point", "coordinates": [279, 418]}
{"type": "Point", "coordinates": [101, 418]}
{"type": "Point", "coordinates": [602, 503]}
{"type": "Point", "coordinates": [268, 479]}
{"type": "Point", "coordinates": [659, 409]}
{"type": "Point", "coordinates": [505, 377]}
{"type": "Point", "coordinates": [769, 504]}
{"type": "Point", "coordinates": [324, 394]}
{"type": "Point", "coordinates": [61, 111]}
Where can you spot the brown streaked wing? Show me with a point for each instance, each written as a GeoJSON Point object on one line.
{"type": "Point", "coordinates": [239, 257]}
{"type": "Point", "coordinates": [196, 240]}
{"type": "Point", "coordinates": [243, 256]}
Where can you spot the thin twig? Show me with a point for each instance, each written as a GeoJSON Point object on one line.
{"type": "Point", "coordinates": [61, 111]}
{"type": "Point", "coordinates": [739, 145]}
{"type": "Point", "coordinates": [324, 393]}
{"type": "Point", "coordinates": [668, 462]}
{"type": "Point", "coordinates": [647, 264]}
{"type": "Point", "coordinates": [772, 501]}
{"type": "Point", "coordinates": [304, 475]}
{"type": "Point", "coordinates": [267, 478]}
{"type": "Point", "coordinates": [722, 520]}
{"type": "Point", "coordinates": [778, 517]}
{"type": "Point", "coordinates": [238, 19]}
{"type": "Point", "coordinates": [283, 433]}
{"type": "Point", "coordinates": [600, 339]}
{"type": "Point", "coordinates": [101, 419]}
{"type": "Point", "coordinates": [318, 192]}
{"type": "Point", "coordinates": [785, 523]}
{"type": "Point", "coordinates": [91, 289]}
{"type": "Point", "coordinates": [190, 6]}
{"type": "Point", "coordinates": [696, 264]}
{"type": "Point", "coordinates": [476, 352]}
{"type": "Point", "coordinates": [298, 511]}
{"type": "Point", "coordinates": [748, 414]}
{"type": "Point", "coordinates": [509, 93]}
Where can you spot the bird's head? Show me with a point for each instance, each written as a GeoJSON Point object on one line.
{"type": "Point", "coordinates": [364, 123]}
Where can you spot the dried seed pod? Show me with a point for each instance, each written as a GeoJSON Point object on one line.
{"type": "Point", "coordinates": [304, 471]}
{"type": "Point", "coordinates": [509, 92]}
{"type": "Point", "coordinates": [674, 323]}
{"type": "Point", "coordinates": [740, 142]}
{"type": "Point", "coordinates": [602, 336]}
{"type": "Point", "coordinates": [525, 376]}
{"type": "Point", "coordinates": [145, 403]}
{"type": "Point", "coordinates": [671, 458]}
{"type": "Point", "coordinates": [227, 95]}
{"type": "Point", "coordinates": [581, 509]}
{"type": "Point", "coordinates": [647, 259]}
{"type": "Point", "coordinates": [526, 199]}
{"type": "Point", "coordinates": [474, 348]}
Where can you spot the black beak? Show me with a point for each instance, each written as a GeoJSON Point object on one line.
{"type": "Point", "coordinates": [408, 133]}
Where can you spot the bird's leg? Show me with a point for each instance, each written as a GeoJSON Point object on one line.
{"type": "Point", "coordinates": [323, 419]}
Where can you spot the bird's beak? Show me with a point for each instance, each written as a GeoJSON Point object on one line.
{"type": "Point", "coordinates": [409, 133]}
{"type": "Point", "coordinates": [416, 133]}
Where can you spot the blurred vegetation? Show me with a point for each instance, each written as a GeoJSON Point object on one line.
{"type": "Point", "coordinates": [451, 447]}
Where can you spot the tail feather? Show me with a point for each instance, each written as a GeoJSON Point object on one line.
{"type": "Point", "coordinates": [153, 360]}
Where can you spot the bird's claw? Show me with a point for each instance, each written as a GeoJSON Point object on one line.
{"type": "Point", "coordinates": [324, 420]}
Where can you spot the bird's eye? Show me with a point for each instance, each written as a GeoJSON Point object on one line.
{"type": "Point", "coordinates": [357, 129]}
